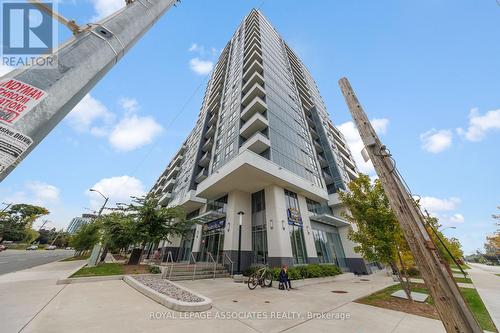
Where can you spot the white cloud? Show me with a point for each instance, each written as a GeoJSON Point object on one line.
{"type": "Point", "coordinates": [42, 192]}
{"type": "Point", "coordinates": [134, 132]}
{"type": "Point", "coordinates": [435, 141]}
{"type": "Point", "coordinates": [196, 48]}
{"type": "Point", "coordinates": [201, 66]}
{"type": "Point", "coordinates": [356, 144]}
{"type": "Point", "coordinates": [436, 205]}
{"type": "Point", "coordinates": [88, 111]}
{"type": "Point", "coordinates": [129, 104]}
{"type": "Point", "coordinates": [479, 124]}
{"type": "Point", "coordinates": [117, 189]}
{"type": "Point", "coordinates": [443, 209]}
{"type": "Point", "coordinates": [105, 8]}
{"type": "Point", "coordinates": [4, 69]}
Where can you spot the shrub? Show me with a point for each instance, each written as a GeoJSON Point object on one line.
{"type": "Point", "coordinates": [154, 270]}
{"type": "Point", "coordinates": [307, 271]}
{"type": "Point", "coordinates": [413, 271]}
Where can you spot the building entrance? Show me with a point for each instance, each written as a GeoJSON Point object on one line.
{"type": "Point", "coordinates": [212, 240]}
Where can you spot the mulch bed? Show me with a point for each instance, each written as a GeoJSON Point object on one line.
{"type": "Point", "coordinates": [397, 304]}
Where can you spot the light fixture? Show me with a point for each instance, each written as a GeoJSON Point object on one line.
{"type": "Point", "coordinates": [271, 224]}
{"type": "Point", "coordinates": [283, 224]}
{"type": "Point", "coordinates": [228, 226]}
{"type": "Point", "coordinates": [307, 228]}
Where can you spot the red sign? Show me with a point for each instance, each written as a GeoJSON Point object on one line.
{"type": "Point", "coordinates": [17, 98]}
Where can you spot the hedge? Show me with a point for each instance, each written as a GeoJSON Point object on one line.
{"type": "Point", "coordinates": [301, 272]}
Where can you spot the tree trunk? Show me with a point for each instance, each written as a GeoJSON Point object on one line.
{"type": "Point", "coordinates": [400, 279]}
{"type": "Point", "coordinates": [408, 283]}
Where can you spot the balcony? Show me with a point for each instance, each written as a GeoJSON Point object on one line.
{"type": "Point", "coordinates": [347, 161]}
{"type": "Point", "coordinates": [256, 55]}
{"type": "Point", "coordinates": [214, 104]}
{"type": "Point", "coordinates": [177, 160]}
{"type": "Point", "coordinates": [169, 184]}
{"type": "Point", "coordinates": [256, 106]}
{"type": "Point", "coordinates": [173, 172]}
{"type": "Point", "coordinates": [250, 42]}
{"type": "Point", "coordinates": [255, 67]}
{"type": "Point", "coordinates": [255, 78]}
{"type": "Point", "coordinates": [256, 123]}
{"type": "Point", "coordinates": [212, 120]}
{"type": "Point", "coordinates": [204, 160]}
{"type": "Point", "coordinates": [256, 91]}
{"type": "Point", "coordinates": [255, 47]}
{"type": "Point", "coordinates": [207, 146]}
{"type": "Point", "coordinates": [202, 175]}
{"type": "Point", "coordinates": [165, 198]}
{"type": "Point", "coordinates": [322, 161]}
{"type": "Point", "coordinates": [307, 103]}
{"type": "Point", "coordinates": [310, 122]}
{"type": "Point", "coordinates": [314, 134]}
{"type": "Point", "coordinates": [328, 178]}
{"type": "Point", "coordinates": [258, 143]}
{"type": "Point", "coordinates": [318, 147]}
{"type": "Point", "coordinates": [252, 34]}
{"type": "Point", "coordinates": [352, 174]}
{"type": "Point", "coordinates": [210, 132]}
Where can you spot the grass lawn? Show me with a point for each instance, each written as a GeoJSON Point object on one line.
{"type": "Point", "coordinates": [462, 280]}
{"type": "Point", "coordinates": [384, 299]}
{"type": "Point", "coordinates": [464, 267]}
{"type": "Point", "coordinates": [84, 257]}
{"type": "Point", "coordinates": [112, 269]}
{"type": "Point", "coordinates": [104, 269]}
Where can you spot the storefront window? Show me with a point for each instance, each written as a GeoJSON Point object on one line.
{"type": "Point", "coordinates": [328, 245]}
{"type": "Point", "coordinates": [259, 230]}
{"type": "Point", "coordinates": [295, 227]}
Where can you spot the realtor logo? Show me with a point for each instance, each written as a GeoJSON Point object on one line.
{"type": "Point", "coordinates": [26, 29]}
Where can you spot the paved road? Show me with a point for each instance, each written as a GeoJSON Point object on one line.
{"type": "Point", "coordinates": [488, 286]}
{"type": "Point", "coordinates": [15, 260]}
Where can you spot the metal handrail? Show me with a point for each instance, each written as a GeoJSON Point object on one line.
{"type": "Point", "coordinates": [171, 260]}
{"type": "Point", "coordinates": [211, 257]}
{"type": "Point", "coordinates": [194, 260]}
{"type": "Point", "coordinates": [228, 258]}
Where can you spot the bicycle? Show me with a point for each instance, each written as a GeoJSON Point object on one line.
{"type": "Point", "coordinates": [262, 277]}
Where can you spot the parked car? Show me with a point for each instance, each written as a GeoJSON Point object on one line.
{"type": "Point", "coordinates": [32, 247]}
{"type": "Point", "coordinates": [2, 248]}
{"type": "Point", "coordinates": [51, 247]}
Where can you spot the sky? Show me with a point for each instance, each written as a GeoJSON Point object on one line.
{"type": "Point", "coordinates": [427, 73]}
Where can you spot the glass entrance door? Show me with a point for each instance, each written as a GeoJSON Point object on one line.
{"type": "Point", "coordinates": [185, 247]}
{"type": "Point", "coordinates": [212, 242]}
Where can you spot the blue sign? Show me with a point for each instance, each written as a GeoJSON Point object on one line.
{"type": "Point", "coordinates": [214, 225]}
{"type": "Point", "coordinates": [294, 217]}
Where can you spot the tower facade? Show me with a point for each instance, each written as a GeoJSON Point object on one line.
{"type": "Point", "coordinates": [265, 146]}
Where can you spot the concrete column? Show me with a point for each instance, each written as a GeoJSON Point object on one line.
{"type": "Point", "coordinates": [238, 201]}
{"type": "Point", "coordinates": [197, 235]}
{"type": "Point", "coordinates": [278, 234]}
{"type": "Point", "coordinates": [312, 255]}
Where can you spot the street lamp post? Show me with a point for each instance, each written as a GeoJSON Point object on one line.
{"type": "Point", "coordinates": [105, 250]}
{"type": "Point", "coordinates": [450, 227]}
{"type": "Point", "coordinates": [240, 213]}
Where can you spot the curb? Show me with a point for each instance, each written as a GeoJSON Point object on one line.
{"type": "Point", "coordinates": [169, 302]}
{"type": "Point", "coordinates": [85, 279]}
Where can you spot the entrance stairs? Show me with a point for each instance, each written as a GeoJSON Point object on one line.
{"type": "Point", "coordinates": [200, 270]}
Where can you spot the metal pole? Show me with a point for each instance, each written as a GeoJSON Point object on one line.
{"type": "Point", "coordinates": [81, 63]}
{"type": "Point", "coordinates": [450, 304]}
{"type": "Point", "coordinates": [240, 213]}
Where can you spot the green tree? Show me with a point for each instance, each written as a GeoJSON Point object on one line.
{"type": "Point", "coordinates": [452, 244]}
{"type": "Point", "coordinates": [154, 223]}
{"type": "Point", "coordinates": [86, 237]}
{"type": "Point", "coordinates": [377, 233]}
{"type": "Point", "coordinates": [17, 220]}
{"type": "Point", "coordinates": [119, 230]}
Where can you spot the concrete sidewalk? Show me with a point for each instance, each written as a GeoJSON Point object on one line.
{"type": "Point", "coordinates": [25, 293]}
{"type": "Point", "coordinates": [113, 306]}
{"type": "Point", "coordinates": [488, 286]}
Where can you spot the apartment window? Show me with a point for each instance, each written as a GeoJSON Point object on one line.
{"type": "Point", "coordinates": [228, 151]}
{"type": "Point", "coordinates": [230, 132]}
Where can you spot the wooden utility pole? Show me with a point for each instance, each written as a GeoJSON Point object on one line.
{"type": "Point", "coordinates": [452, 309]}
